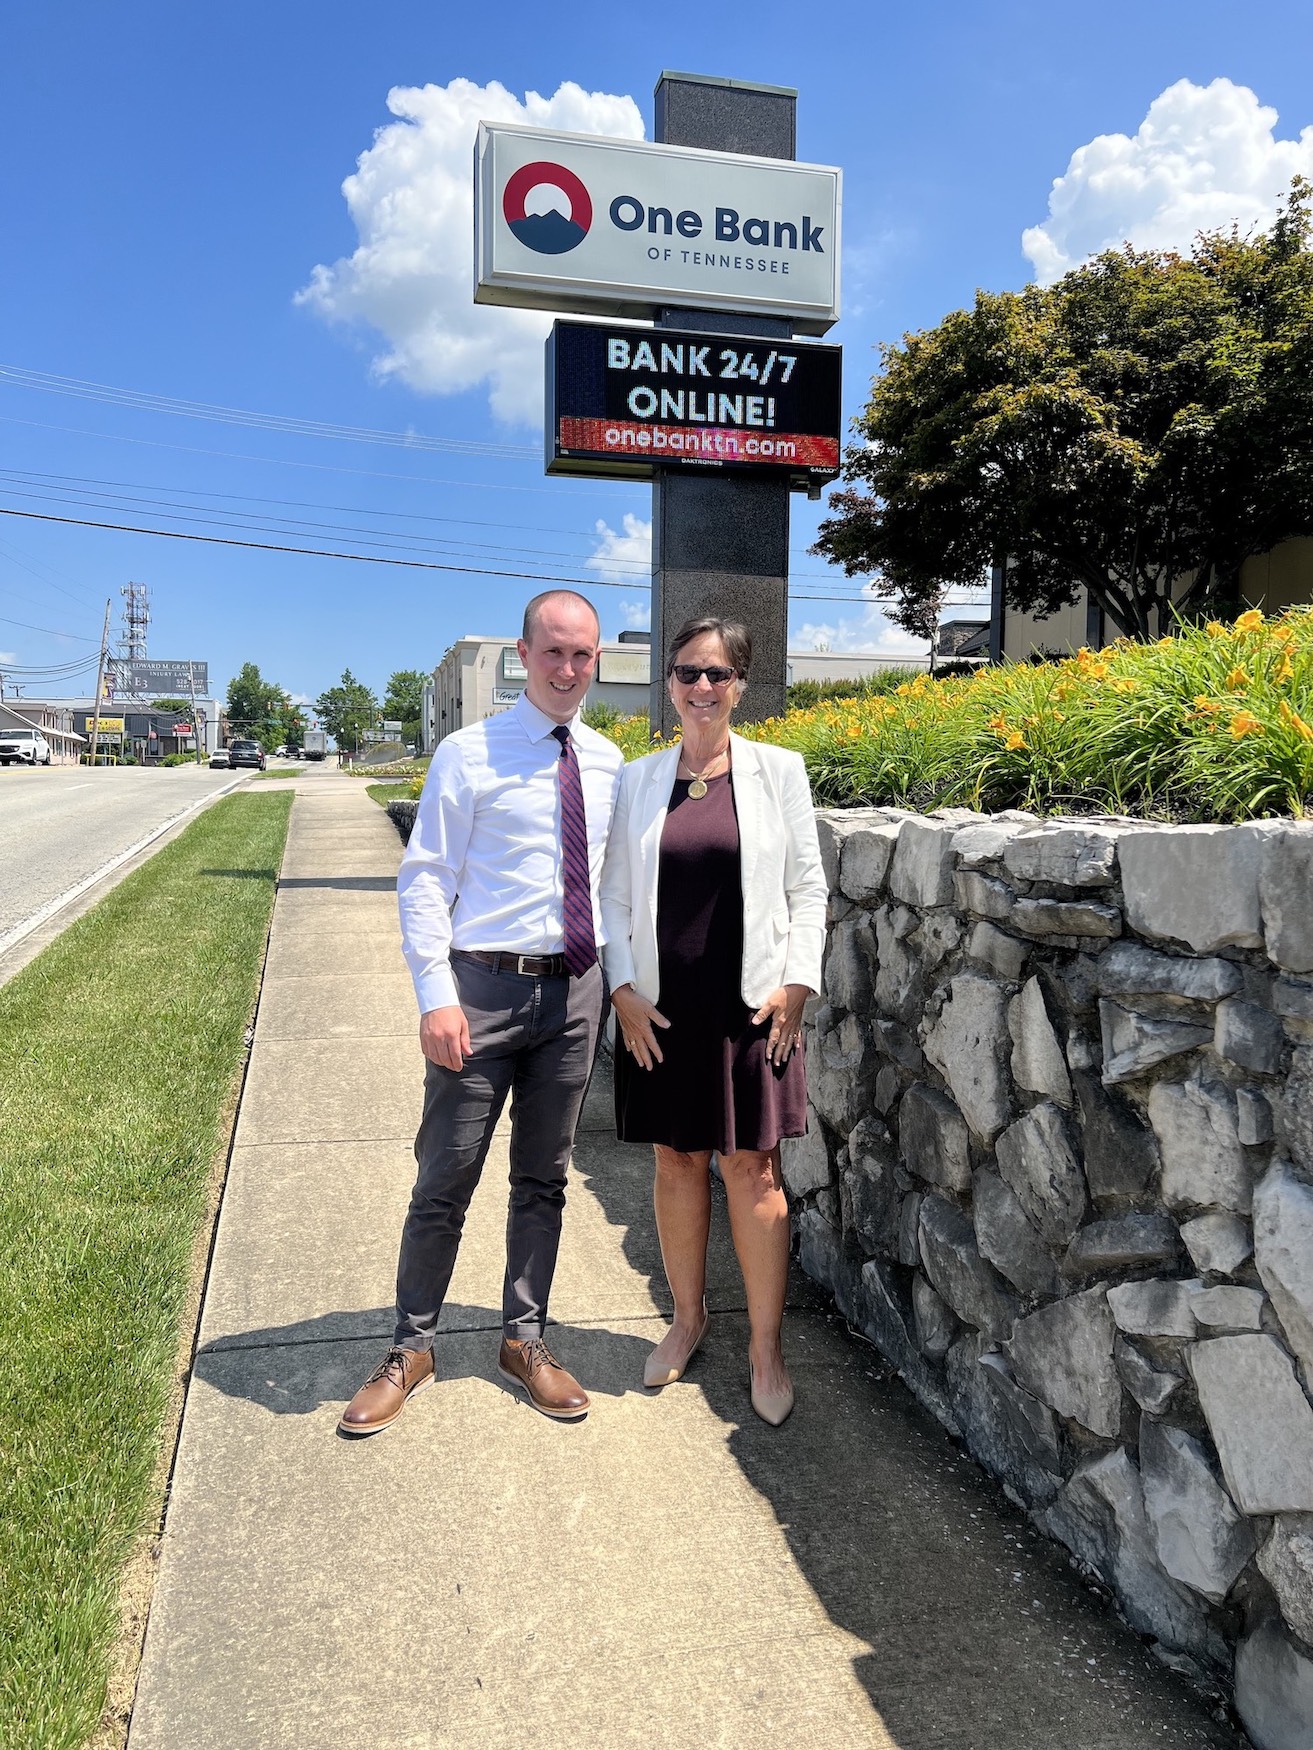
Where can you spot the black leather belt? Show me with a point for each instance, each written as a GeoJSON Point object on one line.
{"type": "Point", "coordinates": [528, 965]}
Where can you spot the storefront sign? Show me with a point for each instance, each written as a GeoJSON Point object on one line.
{"type": "Point", "coordinates": [624, 401]}
{"type": "Point", "coordinates": [624, 227]}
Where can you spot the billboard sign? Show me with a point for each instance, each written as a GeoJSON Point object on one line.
{"type": "Point", "coordinates": [173, 679]}
{"type": "Point", "coordinates": [625, 401]}
{"type": "Point", "coordinates": [626, 227]}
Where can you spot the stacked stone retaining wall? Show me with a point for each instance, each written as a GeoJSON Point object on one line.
{"type": "Point", "coordinates": [1060, 1171]}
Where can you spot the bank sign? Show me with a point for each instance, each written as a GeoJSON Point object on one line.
{"type": "Point", "coordinates": [625, 401]}
{"type": "Point", "coordinates": [625, 228]}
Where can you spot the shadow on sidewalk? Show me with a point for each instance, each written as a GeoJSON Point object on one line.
{"type": "Point", "coordinates": [982, 1636]}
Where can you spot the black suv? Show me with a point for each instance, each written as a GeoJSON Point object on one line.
{"type": "Point", "coordinates": [246, 753]}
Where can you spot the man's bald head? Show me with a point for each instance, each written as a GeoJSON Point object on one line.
{"type": "Point", "coordinates": [556, 598]}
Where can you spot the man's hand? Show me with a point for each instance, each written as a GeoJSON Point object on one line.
{"type": "Point", "coordinates": [444, 1036]}
{"type": "Point", "coordinates": [636, 1018]}
{"type": "Point", "coordinates": [783, 1009]}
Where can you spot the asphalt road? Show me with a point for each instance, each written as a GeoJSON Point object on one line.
{"type": "Point", "coordinates": [62, 825]}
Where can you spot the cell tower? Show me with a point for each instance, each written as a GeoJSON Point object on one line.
{"type": "Point", "coordinates": [136, 618]}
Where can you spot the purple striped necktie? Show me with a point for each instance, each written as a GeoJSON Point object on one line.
{"type": "Point", "coordinates": [580, 942]}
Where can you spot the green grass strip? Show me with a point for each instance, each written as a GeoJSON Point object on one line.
{"type": "Point", "coordinates": [385, 793]}
{"type": "Point", "coordinates": [122, 1047]}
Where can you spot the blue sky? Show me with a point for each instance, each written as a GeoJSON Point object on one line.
{"type": "Point", "coordinates": [174, 180]}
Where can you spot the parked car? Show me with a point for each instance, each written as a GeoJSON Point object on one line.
{"type": "Point", "coordinates": [246, 753]}
{"type": "Point", "coordinates": [219, 761]}
{"type": "Point", "coordinates": [24, 747]}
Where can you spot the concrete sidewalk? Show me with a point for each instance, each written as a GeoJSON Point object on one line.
{"type": "Point", "coordinates": [669, 1573]}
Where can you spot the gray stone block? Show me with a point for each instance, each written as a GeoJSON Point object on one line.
{"type": "Point", "coordinates": [1260, 1421]}
{"type": "Point", "coordinates": [1128, 969]}
{"type": "Point", "coordinates": [1227, 1309]}
{"type": "Point", "coordinates": [1155, 1309]}
{"type": "Point", "coordinates": [1274, 1690]}
{"type": "Point", "coordinates": [883, 1317]}
{"type": "Point", "coordinates": [887, 1085]}
{"type": "Point", "coordinates": [833, 827]}
{"type": "Point", "coordinates": [939, 934]}
{"type": "Point", "coordinates": [951, 1260]}
{"type": "Point", "coordinates": [804, 1160]}
{"type": "Point", "coordinates": [1121, 1153]}
{"type": "Point", "coordinates": [983, 842]}
{"type": "Point", "coordinates": [1285, 882]}
{"type": "Point", "coordinates": [1218, 1243]}
{"type": "Point", "coordinates": [849, 983]}
{"type": "Point", "coordinates": [1067, 854]}
{"type": "Point", "coordinates": [921, 872]}
{"type": "Point", "coordinates": [840, 1068]}
{"type": "Point", "coordinates": [933, 1140]}
{"type": "Point", "coordinates": [983, 896]}
{"type": "Point", "coordinates": [1292, 1109]}
{"type": "Point", "coordinates": [1006, 1429]}
{"type": "Point", "coordinates": [820, 1252]}
{"type": "Point", "coordinates": [1060, 917]}
{"type": "Point", "coordinates": [1248, 1035]}
{"type": "Point", "coordinates": [1193, 884]}
{"type": "Point", "coordinates": [1293, 998]}
{"type": "Point", "coordinates": [1037, 1060]}
{"type": "Point", "coordinates": [871, 1194]}
{"type": "Point", "coordinates": [909, 1222]}
{"type": "Point", "coordinates": [1283, 1252]}
{"type": "Point", "coordinates": [1152, 1388]}
{"type": "Point", "coordinates": [936, 1326]}
{"type": "Point", "coordinates": [968, 1044]}
{"type": "Point", "coordinates": [1037, 1158]}
{"type": "Point", "coordinates": [1004, 955]}
{"type": "Point", "coordinates": [1253, 1117]}
{"type": "Point", "coordinates": [1201, 1540]}
{"type": "Point", "coordinates": [1101, 1518]}
{"type": "Point", "coordinates": [1063, 1354]}
{"type": "Point", "coordinates": [1286, 1561]}
{"type": "Point", "coordinates": [1134, 1044]}
{"type": "Point", "coordinates": [1008, 1241]}
{"type": "Point", "coordinates": [1133, 1241]}
{"type": "Point", "coordinates": [896, 1042]}
{"type": "Point", "coordinates": [899, 976]}
{"type": "Point", "coordinates": [865, 856]}
{"type": "Point", "coordinates": [1204, 1164]}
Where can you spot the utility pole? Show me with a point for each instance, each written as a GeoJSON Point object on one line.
{"type": "Point", "coordinates": [195, 725]}
{"type": "Point", "coordinates": [100, 681]}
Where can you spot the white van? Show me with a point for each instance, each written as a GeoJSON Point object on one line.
{"type": "Point", "coordinates": [25, 746]}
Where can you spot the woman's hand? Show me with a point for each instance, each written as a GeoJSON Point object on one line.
{"type": "Point", "coordinates": [636, 1018]}
{"type": "Point", "coordinates": [783, 1009]}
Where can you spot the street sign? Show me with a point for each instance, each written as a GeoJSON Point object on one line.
{"type": "Point", "coordinates": [627, 401]}
{"type": "Point", "coordinates": [625, 227]}
{"type": "Point", "coordinates": [391, 726]}
{"type": "Point", "coordinates": [161, 676]}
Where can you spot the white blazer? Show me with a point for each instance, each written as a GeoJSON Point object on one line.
{"type": "Point", "coordinates": [784, 887]}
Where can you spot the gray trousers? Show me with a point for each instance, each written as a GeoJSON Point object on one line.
{"type": "Point", "coordinates": [536, 1040]}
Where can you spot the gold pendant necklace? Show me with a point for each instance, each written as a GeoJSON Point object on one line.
{"type": "Point", "coordinates": [698, 788]}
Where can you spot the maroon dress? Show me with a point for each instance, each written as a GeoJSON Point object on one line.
{"type": "Point", "coordinates": [715, 1088]}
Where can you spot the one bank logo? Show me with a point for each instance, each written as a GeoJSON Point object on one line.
{"type": "Point", "coordinates": [549, 233]}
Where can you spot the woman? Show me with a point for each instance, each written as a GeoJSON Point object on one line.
{"type": "Point", "coordinates": [714, 904]}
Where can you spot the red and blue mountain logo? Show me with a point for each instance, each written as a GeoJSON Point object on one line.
{"type": "Point", "coordinates": [549, 233]}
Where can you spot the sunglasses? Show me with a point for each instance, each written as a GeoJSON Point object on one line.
{"type": "Point", "coordinates": [687, 673]}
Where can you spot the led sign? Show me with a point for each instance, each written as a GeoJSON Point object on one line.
{"type": "Point", "coordinates": [625, 401]}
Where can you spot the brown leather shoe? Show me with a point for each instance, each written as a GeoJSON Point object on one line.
{"type": "Point", "coordinates": [531, 1365]}
{"type": "Point", "coordinates": [384, 1395]}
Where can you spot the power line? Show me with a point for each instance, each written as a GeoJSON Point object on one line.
{"type": "Point", "coordinates": [75, 636]}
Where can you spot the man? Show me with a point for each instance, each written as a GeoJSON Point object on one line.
{"type": "Point", "coordinates": [501, 930]}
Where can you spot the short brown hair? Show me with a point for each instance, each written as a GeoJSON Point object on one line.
{"type": "Point", "coordinates": [539, 602]}
{"type": "Point", "coordinates": [733, 634]}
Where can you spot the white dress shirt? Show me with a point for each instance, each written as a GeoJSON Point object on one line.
{"type": "Point", "coordinates": [483, 868]}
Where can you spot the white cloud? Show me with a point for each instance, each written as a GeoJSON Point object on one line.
{"type": "Point", "coordinates": [411, 277]}
{"type": "Point", "coordinates": [300, 700]}
{"type": "Point", "coordinates": [1204, 157]}
{"type": "Point", "coordinates": [8, 656]}
{"type": "Point", "coordinates": [637, 616]}
{"type": "Point", "coordinates": [623, 555]}
{"type": "Point", "coordinates": [871, 635]}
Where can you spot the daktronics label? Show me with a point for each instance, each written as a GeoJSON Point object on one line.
{"type": "Point", "coordinates": [625, 401]}
{"type": "Point", "coordinates": [624, 227]}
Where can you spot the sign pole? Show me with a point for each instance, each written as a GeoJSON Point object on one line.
{"type": "Point", "coordinates": [721, 546]}
{"type": "Point", "coordinates": [195, 725]}
{"type": "Point", "coordinates": [100, 681]}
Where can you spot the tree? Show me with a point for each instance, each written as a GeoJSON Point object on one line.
{"type": "Point", "coordinates": [348, 710]}
{"type": "Point", "coordinates": [253, 706]}
{"type": "Point", "coordinates": [291, 723]}
{"type": "Point", "coordinates": [171, 705]}
{"type": "Point", "coordinates": [404, 698]}
{"type": "Point", "coordinates": [1141, 428]}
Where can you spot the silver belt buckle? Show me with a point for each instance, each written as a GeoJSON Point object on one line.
{"type": "Point", "coordinates": [519, 963]}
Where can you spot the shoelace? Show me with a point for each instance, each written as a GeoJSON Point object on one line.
{"type": "Point", "coordinates": [537, 1354]}
{"type": "Point", "coordinates": [392, 1366]}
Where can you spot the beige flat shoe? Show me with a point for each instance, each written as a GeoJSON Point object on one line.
{"type": "Point", "coordinates": [772, 1407]}
{"type": "Point", "coordinates": [658, 1373]}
